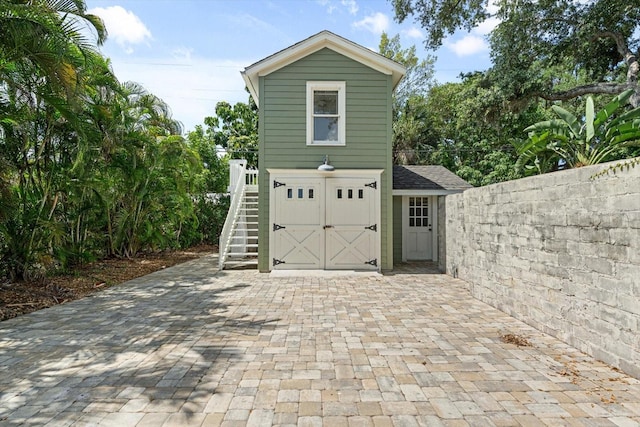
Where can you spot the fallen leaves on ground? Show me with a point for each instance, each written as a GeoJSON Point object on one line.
{"type": "Point", "coordinates": [518, 340]}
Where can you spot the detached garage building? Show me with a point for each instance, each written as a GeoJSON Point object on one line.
{"type": "Point", "coordinates": [326, 193]}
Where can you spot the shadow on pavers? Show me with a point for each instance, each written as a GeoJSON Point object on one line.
{"type": "Point", "coordinates": [158, 340]}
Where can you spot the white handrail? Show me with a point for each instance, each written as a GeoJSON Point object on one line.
{"type": "Point", "coordinates": [236, 166]}
{"type": "Point", "coordinates": [236, 198]}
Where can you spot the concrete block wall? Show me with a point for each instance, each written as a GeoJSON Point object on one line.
{"type": "Point", "coordinates": [559, 251]}
{"type": "Point", "coordinates": [442, 234]}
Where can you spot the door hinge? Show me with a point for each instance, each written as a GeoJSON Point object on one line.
{"type": "Point", "coordinates": [373, 185]}
{"type": "Point", "coordinates": [277, 262]}
{"type": "Point", "coordinates": [373, 227]}
{"type": "Point", "coordinates": [373, 262]}
{"type": "Point", "coordinates": [277, 184]}
{"type": "Point", "coordinates": [277, 227]}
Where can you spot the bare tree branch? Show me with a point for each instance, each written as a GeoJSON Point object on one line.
{"type": "Point", "coordinates": [606, 88]}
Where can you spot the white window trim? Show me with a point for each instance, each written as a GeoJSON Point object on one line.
{"type": "Point", "coordinates": [342, 116]}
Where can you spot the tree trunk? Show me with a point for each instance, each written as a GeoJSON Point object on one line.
{"type": "Point", "coordinates": [633, 71]}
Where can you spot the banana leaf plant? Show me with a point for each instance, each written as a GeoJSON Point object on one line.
{"type": "Point", "coordinates": [571, 142]}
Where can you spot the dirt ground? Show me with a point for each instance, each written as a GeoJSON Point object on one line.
{"type": "Point", "coordinates": [20, 297]}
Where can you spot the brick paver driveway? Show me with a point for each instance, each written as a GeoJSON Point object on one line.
{"type": "Point", "coordinates": [189, 346]}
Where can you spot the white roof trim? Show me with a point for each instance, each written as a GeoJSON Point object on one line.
{"type": "Point", "coordinates": [324, 39]}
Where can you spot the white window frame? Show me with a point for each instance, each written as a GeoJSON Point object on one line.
{"type": "Point", "coordinates": [327, 86]}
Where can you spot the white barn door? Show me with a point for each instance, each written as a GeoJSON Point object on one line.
{"type": "Point", "coordinates": [351, 228]}
{"type": "Point", "coordinates": [298, 237]}
{"type": "Point", "coordinates": [324, 223]}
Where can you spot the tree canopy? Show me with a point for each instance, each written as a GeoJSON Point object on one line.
{"type": "Point", "coordinates": [594, 41]}
{"type": "Point", "coordinates": [235, 129]}
{"type": "Point", "coordinates": [89, 166]}
{"type": "Point", "coordinates": [408, 98]}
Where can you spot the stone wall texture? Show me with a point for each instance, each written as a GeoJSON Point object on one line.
{"type": "Point", "coordinates": [442, 233]}
{"type": "Point", "coordinates": [559, 251]}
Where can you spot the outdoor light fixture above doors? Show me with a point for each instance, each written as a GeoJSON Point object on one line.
{"type": "Point", "coordinates": [325, 166]}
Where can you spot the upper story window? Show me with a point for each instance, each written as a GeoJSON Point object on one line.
{"type": "Point", "coordinates": [326, 113]}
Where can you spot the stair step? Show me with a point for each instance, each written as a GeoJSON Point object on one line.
{"type": "Point", "coordinates": [244, 236]}
{"type": "Point", "coordinates": [239, 264]}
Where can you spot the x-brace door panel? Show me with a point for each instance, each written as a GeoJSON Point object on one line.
{"type": "Point", "coordinates": [351, 220]}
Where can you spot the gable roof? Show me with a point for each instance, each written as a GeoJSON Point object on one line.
{"type": "Point", "coordinates": [324, 39]}
{"type": "Point", "coordinates": [429, 177]}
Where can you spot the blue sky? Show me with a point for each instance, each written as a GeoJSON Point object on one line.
{"type": "Point", "coordinates": [190, 52]}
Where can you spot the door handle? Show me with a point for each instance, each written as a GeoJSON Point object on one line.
{"type": "Point", "coordinates": [429, 227]}
{"type": "Point", "coordinates": [327, 226]}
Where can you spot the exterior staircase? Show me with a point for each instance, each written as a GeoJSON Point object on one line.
{"type": "Point", "coordinates": [239, 239]}
{"type": "Point", "coordinates": [243, 243]}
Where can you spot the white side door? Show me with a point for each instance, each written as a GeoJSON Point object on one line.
{"type": "Point", "coordinates": [417, 228]}
{"type": "Point", "coordinates": [297, 233]}
{"type": "Point", "coordinates": [351, 229]}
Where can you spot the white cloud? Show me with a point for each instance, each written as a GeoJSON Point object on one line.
{"type": "Point", "coordinates": [476, 42]}
{"type": "Point", "coordinates": [493, 7]}
{"type": "Point", "coordinates": [376, 23]}
{"type": "Point", "coordinates": [468, 45]}
{"type": "Point", "coordinates": [123, 26]}
{"type": "Point", "coordinates": [351, 6]}
{"type": "Point", "coordinates": [413, 33]}
{"type": "Point", "coordinates": [487, 26]}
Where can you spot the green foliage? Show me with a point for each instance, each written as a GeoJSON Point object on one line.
{"type": "Point", "coordinates": [89, 167]}
{"type": "Point", "coordinates": [570, 141]}
{"type": "Point", "coordinates": [468, 128]}
{"type": "Point", "coordinates": [441, 18]}
{"type": "Point", "coordinates": [409, 126]}
{"type": "Point", "coordinates": [215, 174]}
{"type": "Point", "coordinates": [554, 49]}
{"type": "Point", "coordinates": [212, 212]}
{"type": "Point", "coordinates": [619, 166]}
{"type": "Point", "coordinates": [235, 128]}
{"type": "Point", "coordinates": [418, 78]}
{"type": "Point", "coordinates": [210, 206]}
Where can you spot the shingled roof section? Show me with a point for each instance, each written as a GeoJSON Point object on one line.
{"type": "Point", "coordinates": [427, 178]}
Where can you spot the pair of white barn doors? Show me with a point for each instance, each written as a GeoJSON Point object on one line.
{"type": "Point", "coordinates": [322, 222]}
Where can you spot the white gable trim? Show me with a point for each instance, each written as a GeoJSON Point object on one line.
{"type": "Point", "coordinates": [324, 39]}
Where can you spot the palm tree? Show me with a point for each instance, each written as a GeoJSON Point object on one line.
{"type": "Point", "coordinates": [43, 48]}
{"type": "Point", "coordinates": [47, 37]}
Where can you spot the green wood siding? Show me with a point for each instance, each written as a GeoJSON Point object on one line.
{"type": "Point", "coordinates": [397, 229]}
{"type": "Point", "coordinates": [368, 131]}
